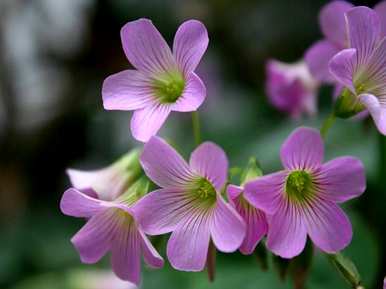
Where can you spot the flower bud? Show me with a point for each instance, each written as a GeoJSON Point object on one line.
{"type": "Point", "coordinates": [252, 171]}
{"type": "Point", "coordinates": [347, 105]}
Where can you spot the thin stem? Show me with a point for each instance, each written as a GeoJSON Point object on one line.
{"type": "Point", "coordinates": [327, 124]}
{"type": "Point", "coordinates": [196, 127]}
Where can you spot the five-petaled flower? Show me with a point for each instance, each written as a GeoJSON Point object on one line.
{"type": "Point", "coordinates": [302, 199]}
{"type": "Point", "coordinates": [362, 67]}
{"type": "Point", "coordinates": [333, 25]}
{"type": "Point", "coordinates": [111, 224]}
{"type": "Point", "coordinates": [163, 81]}
{"type": "Point", "coordinates": [189, 203]}
{"type": "Point", "coordinates": [291, 88]}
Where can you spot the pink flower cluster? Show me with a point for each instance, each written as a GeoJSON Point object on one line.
{"type": "Point", "coordinates": [351, 57]}
{"type": "Point", "coordinates": [194, 201]}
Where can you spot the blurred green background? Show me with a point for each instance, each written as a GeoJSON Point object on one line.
{"type": "Point", "coordinates": [54, 55]}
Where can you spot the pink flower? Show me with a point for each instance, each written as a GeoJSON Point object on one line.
{"type": "Point", "coordinates": [163, 81]}
{"type": "Point", "coordinates": [333, 25]}
{"type": "Point", "coordinates": [302, 199]}
{"type": "Point", "coordinates": [255, 219]}
{"type": "Point", "coordinates": [111, 224]}
{"type": "Point", "coordinates": [361, 69]}
{"type": "Point", "coordinates": [189, 203]}
{"type": "Point", "coordinates": [291, 88]}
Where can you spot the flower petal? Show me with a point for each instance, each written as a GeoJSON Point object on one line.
{"type": "Point", "coordinates": [160, 212]}
{"type": "Point", "coordinates": [377, 111]}
{"type": "Point", "coordinates": [193, 96]}
{"type": "Point", "coordinates": [190, 44]}
{"type": "Point", "coordinates": [145, 47]}
{"type": "Point", "coordinates": [227, 228]}
{"type": "Point", "coordinates": [332, 21]}
{"type": "Point", "coordinates": [374, 73]}
{"type": "Point", "coordinates": [77, 204]}
{"type": "Point", "coordinates": [126, 90]}
{"type": "Point", "coordinates": [187, 248]}
{"type": "Point", "coordinates": [265, 193]}
{"type": "Point", "coordinates": [107, 183]}
{"type": "Point", "coordinates": [328, 227]}
{"type": "Point", "coordinates": [343, 67]}
{"type": "Point", "coordinates": [341, 179]}
{"type": "Point", "coordinates": [287, 233]}
{"type": "Point", "coordinates": [384, 283]}
{"type": "Point", "coordinates": [380, 8]}
{"type": "Point", "coordinates": [257, 227]}
{"type": "Point", "coordinates": [150, 254]}
{"type": "Point", "coordinates": [147, 121]}
{"type": "Point", "coordinates": [164, 166]}
{"type": "Point", "coordinates": [303, 149]}
{"type": "Point", "coordinates": [126, 250]}
{"type": "Point", "coordinates": [256, 224]}
{"type": "Point", "coordinates": [94, 239]}
{"type": "Point", "coordinates": [233, 192]}
{"type": "Point", "coordinates": [317, 58]}
{"type": "Point", "coordinates": [364, 28]}
{"type": "Point", "coordinates": [210, 161]}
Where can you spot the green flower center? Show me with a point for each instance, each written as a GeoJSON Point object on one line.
{"type": "Point", "coordinates": [168, 87]}
{"type": "Point", "coordinates": [204, 190]}
{"type": "Point", "coordinates": [299, 186]}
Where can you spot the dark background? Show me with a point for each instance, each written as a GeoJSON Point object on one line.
{"type": "Point", "coordinates": [54, 55]}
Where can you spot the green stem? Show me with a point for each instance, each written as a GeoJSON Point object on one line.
{"type": "Point", "coordinates": [327, 124]}
{"type": "Point", "coordinates": [196, 127]}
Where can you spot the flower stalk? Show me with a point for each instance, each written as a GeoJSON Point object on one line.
{"type": "Point", "coordinates": [327, 124]}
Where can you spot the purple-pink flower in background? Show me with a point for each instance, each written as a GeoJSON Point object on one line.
{"type": "Point", "coordinates": [189, 203]}
{"type": "Point", "coordinates": [291, 88]}
{"type": "Point", "coordinates": [332, 22]}
{"type": "Point", "coordinates": [111, 224]}
{"type": "Point", "coordinates": [361, 69]}
{"type": "Point", "coordinates": [384, 283]}
{"type": "Point", "coordinates": [302, 199]}
{"type": "Point", "coordinates": [163, 81]}
{"type": "Point", "coordinates": [255, 219]}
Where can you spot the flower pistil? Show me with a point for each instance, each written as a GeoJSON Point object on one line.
{"type": "Point", "coordinates": [169, 87]}
{"type": "Point", "coordinates": [299, 186]}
